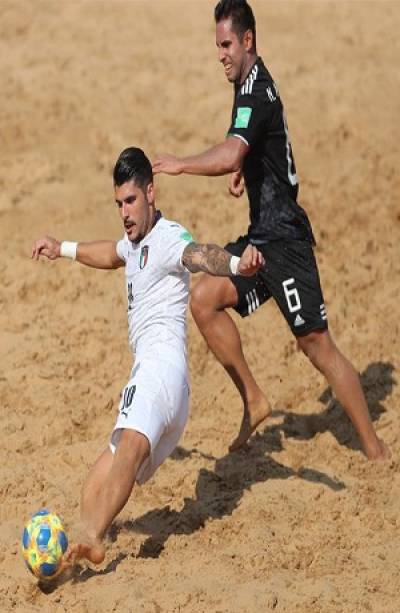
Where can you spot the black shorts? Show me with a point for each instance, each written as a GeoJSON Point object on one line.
{"type": "Point", "coordinates": [290, 276]}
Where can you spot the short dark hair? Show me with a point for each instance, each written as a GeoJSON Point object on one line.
{"type": "Point", "coordinates": [133, 165]}
{"type": "Point", "coordinates": [241, 15]}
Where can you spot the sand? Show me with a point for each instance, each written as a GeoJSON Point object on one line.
{"type": "Point", "coordinates": [300, 521]}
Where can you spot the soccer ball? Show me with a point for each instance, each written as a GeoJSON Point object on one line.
{"type": "Point", "coordinates": [43, 543]}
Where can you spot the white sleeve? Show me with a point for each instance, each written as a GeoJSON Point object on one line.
{"type": "Point", "coordinates": [122, 248]}
{"type": "Point", "coordinates": [176, 239]}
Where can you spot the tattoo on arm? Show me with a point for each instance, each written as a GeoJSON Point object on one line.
{"type": "Point", "coordinates": [207, 258]}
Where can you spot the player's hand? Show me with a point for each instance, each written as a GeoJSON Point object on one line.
{"type": "Point", "coordinates": [236, 184]}
{"type": "Point", "coordinates": [250, 262]}
{"type": "Point", "coordinates": [168, 164]}
{"type": "Point", "coordinates": [47, 246]}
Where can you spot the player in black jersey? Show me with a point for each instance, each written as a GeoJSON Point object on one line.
{"type": "Point", "coordinates": [258, 150]}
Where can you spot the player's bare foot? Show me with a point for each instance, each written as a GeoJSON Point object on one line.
{"type": "Point", "coordinates": [93, 552]}
{"type": "Point", "coordinates": [254, 414]}
{"type": "Point", "coordinates": [379, 452]}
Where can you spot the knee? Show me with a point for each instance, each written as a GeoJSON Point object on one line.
{"type": "Point", "coordinates": [197, 296]}
{"type": "Point", "coordinates": [315, 346]}
{"type": "Point", "coordinates": [210, 295]}
{"type": "Point", "coordinates": [202, 301]}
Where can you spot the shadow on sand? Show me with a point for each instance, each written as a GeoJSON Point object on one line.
{"type": "Point", "coordinates": [219, 491]}
{"type": "Point", "coordinates": [377, 381]}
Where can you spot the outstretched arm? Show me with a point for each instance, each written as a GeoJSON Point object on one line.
{"type": "Point", "coordinates": [219, 262]}
{"type": "Point", "coordinates": [219, 160]}
{"type": "Point", "coordinates": [97, 254]}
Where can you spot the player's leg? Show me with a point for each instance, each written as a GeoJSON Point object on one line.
{"type": "Point", "coordinates": [297, 291]}
{"type": "Point", "coordinates": [90, 491]}
{"type": "Point", "coordinates": [133, 448]}
{"type": "Point", "coordinates": [105, 493]}
{"type": "Point", "coordinates": [94, 482]}
{"type": "Point", "coordinates": [152, 415]}
{"type": "Point", "coordinates": [209, 299]}
{"type": "Point", "coordinates": [345, 383]}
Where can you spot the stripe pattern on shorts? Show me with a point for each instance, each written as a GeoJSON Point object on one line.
{"type": "Point", "coordinates": [323, 311]}
{"type": "Point", "coordinates": [252, 301]}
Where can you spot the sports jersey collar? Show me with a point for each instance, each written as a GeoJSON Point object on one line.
{"type": "Point", "coordinates": [136, 246]}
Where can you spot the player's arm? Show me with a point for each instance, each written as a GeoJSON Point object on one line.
{"type": "Point", "coordinates": [217, 261]}
{"type": "Point", "coordinates": [97, 254]}
{"type": "Point", "coordinates": [221, 159]}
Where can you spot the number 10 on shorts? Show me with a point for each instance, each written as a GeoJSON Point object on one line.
{"type": "Point", "coordinates": [291, 295]}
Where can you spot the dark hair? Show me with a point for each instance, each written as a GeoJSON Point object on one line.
{"type": "Point", "coordinates": [241, 15]}
{"type": "Point", "coordinates": [133, 165]}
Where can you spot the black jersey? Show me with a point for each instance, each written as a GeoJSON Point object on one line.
{"type": "Point", "coordinates": [269, 171]}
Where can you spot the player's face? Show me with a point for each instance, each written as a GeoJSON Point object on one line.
{"type": "Point", "coordinates": [232, 52]}
{"type": "Point", "coordinates": [136, 209]}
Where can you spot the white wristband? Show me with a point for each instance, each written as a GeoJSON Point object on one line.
{"type": "Point", "coordinates": [68, 250]}
{"type": "Point", "coordinates": [234, 264]}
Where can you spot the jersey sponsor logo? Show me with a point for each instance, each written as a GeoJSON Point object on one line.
{"type": "Point", "coordinates": [299, 321]}
{"type": "Point", "coordinates": [186, 236]}
{"type": "Point", "coordinates": [242, 117]}
{"type": "Point", "coordinates": [144, 256]}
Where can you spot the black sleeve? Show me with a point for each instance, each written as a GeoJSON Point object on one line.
{"type": "Point", "coordinates": [250, 118]}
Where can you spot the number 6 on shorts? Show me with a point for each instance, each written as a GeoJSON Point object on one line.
{"type": "Point", "coordinates": [291, 295]}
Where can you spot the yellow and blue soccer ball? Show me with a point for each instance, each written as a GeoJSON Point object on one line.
{"type": "Point", "coordinates": [44, 542]}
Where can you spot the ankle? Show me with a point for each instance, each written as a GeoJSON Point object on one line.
{"type": "Point", "coordinates": [88, 534]}
{"type": "Point", "coordinates": [376, 450]}
{"type": "Point", "coordinates": [254, 398]}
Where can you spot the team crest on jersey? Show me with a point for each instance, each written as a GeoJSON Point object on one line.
{"type": "Point", "coordinates": [144, 256]}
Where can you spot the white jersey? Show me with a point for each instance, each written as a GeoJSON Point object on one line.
{"type": "Point", "coordinates": [157, 286]}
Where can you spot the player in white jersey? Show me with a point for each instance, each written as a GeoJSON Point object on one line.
{"type": "Point", "coordinates": [157, 255]}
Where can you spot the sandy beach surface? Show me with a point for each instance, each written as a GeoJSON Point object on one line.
{"type": "Point", "coordinates": [299, 521]}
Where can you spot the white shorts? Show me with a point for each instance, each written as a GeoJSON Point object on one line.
{"type": "Point", "coordinates": [154, 402]}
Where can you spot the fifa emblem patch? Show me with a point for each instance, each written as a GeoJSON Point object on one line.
{"type": "Point", "coordinates": [243, 117]}
{"type": "Point", "coordinates": [186, 236]}
{"type": "Point", "coordinates": [144, 256]}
